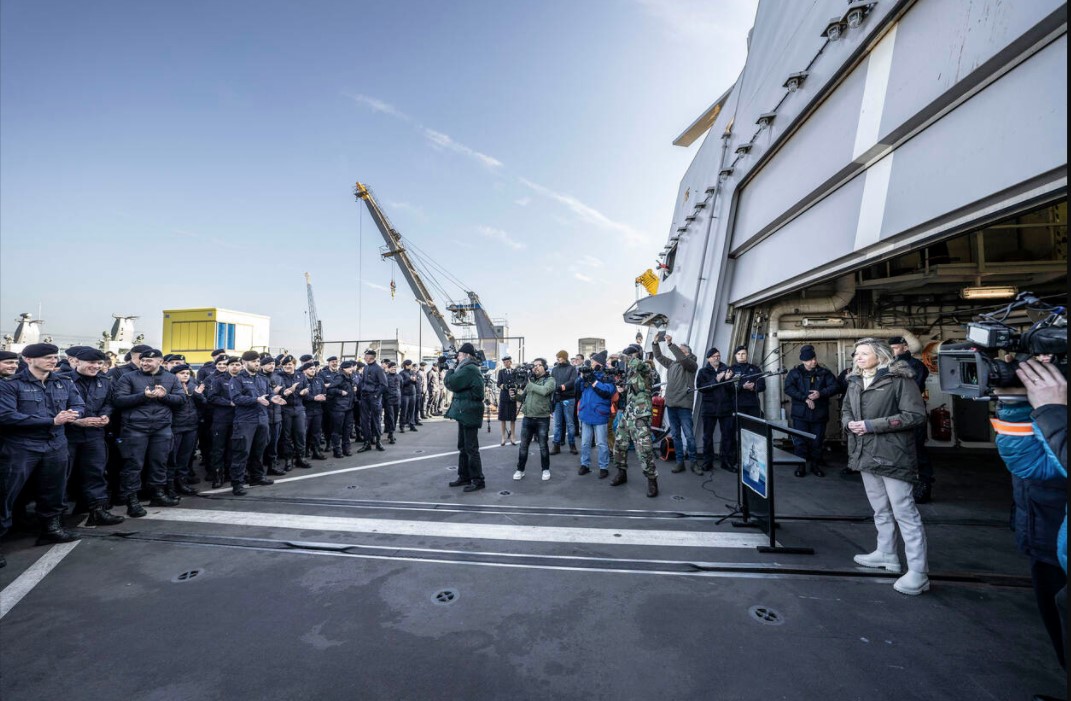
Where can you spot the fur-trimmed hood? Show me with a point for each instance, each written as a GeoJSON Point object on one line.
{"type": "Point", "coordinates": [898, 368]}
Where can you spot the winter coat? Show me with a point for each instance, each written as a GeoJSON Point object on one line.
{"type": "Point", "coordinates": [466, 382]}
{"type": "Point", "coordinates": [218, 397]}
{"type": "Point", "coordinates": [141, 413]}
{"type": "Point", "coordinates": [97, 394]}
{"type": "Point", "coordinates": [185, 416]}
{"type": "Point", "coordinates": [29, 406]}
{"type": "Point", "coordinates": [747, 400]}
{"type": "Point", "coordinates": [564, 374]}
{"type": "Point", "coordinates": [315, 385]}
{"type": "Point", "coordinates": [341, 383]}
{"type": "Point", "coordinates": [298, 381]}
{"type": "Point", "coordinates": [800, 382]}
{"type": "Point", "coordinates": [393, 393]}
{"type": "Point", "coordinates": [245, 391]}
{"type": "Point", "coordinates": [373, 380]}
{"type": "Point", "coordinates": [1027, 450]}
{"type": "Point", "coordinates": [891, 407]}
{"type": "Point", "coordinates": [536, 397]}
{"type": "Point", "coordinates": [680, 380]}
{"type": "Point", "coordinates": [714, 401]}
{"type": "Point", "coordinates": [595, 399]}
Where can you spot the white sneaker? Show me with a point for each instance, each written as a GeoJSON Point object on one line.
{"type": "Point", "coordinates": [546, 475]}
{"type": "Point", "coordinates": [888, 561]}
{"type": "Point", "coordinates": [913, 583]}
{"type": "Point", "coordinates": [519, 474]}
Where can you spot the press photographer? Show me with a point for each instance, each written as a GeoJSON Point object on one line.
{"type": "Point", "coordinates": [564, 374]}
{"type": "Point", "coordinates": [536, 397]}
{"type": "Point", "coordinates": [596, 391]}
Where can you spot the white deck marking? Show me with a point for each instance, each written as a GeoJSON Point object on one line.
{"type": "Point", "coordinates": [465, 531]}
{"type": "Point", "coordinates": [25, 582]}
{"type": "Point", "coordinates": [284, 480]}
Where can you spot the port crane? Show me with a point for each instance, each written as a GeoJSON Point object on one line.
{"type": "Point", "coordinates": [316, 327]}
{"type": "Point", "coordinates": [464, 313]}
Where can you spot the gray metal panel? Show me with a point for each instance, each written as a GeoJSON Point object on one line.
{"type": "Point", "coordinates": [1011, 132]}
{"type": "Point", "coordinates": [823, 233]}
{"type": "Point", "coordinates": [939, 43]}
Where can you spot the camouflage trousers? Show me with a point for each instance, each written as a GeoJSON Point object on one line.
{"type": "Point", "coordinates": [638, 429]}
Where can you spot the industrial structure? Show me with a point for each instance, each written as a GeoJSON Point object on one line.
{"type": "Point", "coordinates": [196, 332]}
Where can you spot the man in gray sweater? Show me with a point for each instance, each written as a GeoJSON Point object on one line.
{"type": "Point", "coordinates": [680, 394]}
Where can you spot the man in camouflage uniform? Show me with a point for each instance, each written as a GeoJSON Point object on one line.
{"type": "Point", "coordinates": [635, 423]}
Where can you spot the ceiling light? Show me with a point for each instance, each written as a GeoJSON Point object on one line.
{"type": "Point", "coordinates": [743, 149]}
{"type": "Point", "coordinates": [834, 29]}
{"type": "Point", "coordinates": [857, 12]}
{"type": "Point", "coordinates": [794, 81]}
{"type": "Point", "coordinates": [989, 292]}
{"type": "Point", "coordinates": [765, 120]}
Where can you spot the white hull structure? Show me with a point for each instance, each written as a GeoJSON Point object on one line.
{"type": "Point", "coordinates": [855, 186]}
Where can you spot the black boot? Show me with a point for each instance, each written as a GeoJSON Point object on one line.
{"type": "Point", "coordinates": [620, 478]}
{"type": "Point", "coordinates": [816, 470]}
{"type": "Point", "coordinates": [302, 464]}
{"type": "Point", "coordinates": [193, 478]}
{"type": "Point", "coordinates": [134, 509]}
{"type": "Point", "coordinates": [390, 438]}
{"type": "Point", "coordinates": [317, 454]}
{"type": "Point", "coordinates": [52, 531]}
{"type": "Point", "coordinates": [652, 486]}
{"type": "Point", "coordinates": [161, 498]}
{"type": "Point", "coordinates": [100, 516]}
{"type": "Point", "coordinates": [801, 471]}
{"type": "Point", "coordinates": [288, 465]}
{"type": "Point", "coordinates": [460, 482]}
{"type": "Point", "coordinates": [238, 490]}
{"type": "Point", "coordinates": [336, 453]}
{"type": "Point", "coordinates": [183, 488]}
{"type": "Point", "coordinates": [365, 448]}
{"type": "Point", "coordinates": [379, 446]}
{"type": "Point", "coordinates": [346, 452]}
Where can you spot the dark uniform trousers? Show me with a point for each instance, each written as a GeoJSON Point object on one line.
{"type": "Point", "coordinates": [87, 465]}
{"type": "Point", "coordinates": [222, 457]}
{"type": "Point", "coordinates": [314, 428]}
{"type": "Point", "coordinates": [728, 438]}
{"type": "Point", "coordinates": [48, 465]}
{"type": "Point", "coordinates": [420, 402]}
{"type": "Point", "coordinates": [204, 436]}
{"type": "Point", "coordinates": [469, 467]}
{"type": "Point", "coordinates": [371, 411]}
{"type": "Point", "coordinates": [390, 417]}
{"type": "Point", "coordinates": [408, 411]}
{"type": "Point", "coordinates": [271, 450]}
{"type": "Point", "coordinates": [143, 450]}
{"type": "Point", "coordinates": [248, 441]}
{"type": "Point", "coordinates": [292, 437]}
{"type": "Point", "coordinates": [182, 449]}
{"type": "Point", "coordinates": [808, 449]}
{"type": "Point", "coordinates": [341, 425]}
{"type": "Point", "coordinates": [357, 419]}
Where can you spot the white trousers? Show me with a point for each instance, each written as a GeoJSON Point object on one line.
{"type": "Point", "coordinates": [894, 505]}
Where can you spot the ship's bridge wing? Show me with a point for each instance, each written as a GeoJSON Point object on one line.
{"type": "Point", "coordinates": [655, 310]}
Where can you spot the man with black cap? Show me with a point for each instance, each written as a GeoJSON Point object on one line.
{"type": "Point", "coordinates": [9, 364]}
{"type": "Point", "coordinates": [422, 390]}
{"type": "Point", "coordinates": [329, 373]}
{"type": "Point", "coordinates": [210, 367]}
{"type": "Point", "coordinates": [147, 398]}
{"type": "Point", "coordinates": [373, 385]}
{"type": "Point", "coordinates": [133, 364]}
{"type": "Point", "coordinates": [923, 490]}
{"type": "Point", "coordinates": [275, 416]}
{"type": "Point", "coordinates": [292, 434]}
{"type": "Point", "coordinates": [409, 396]}
{"type": "Point", "coordinates": [392, 401]}
{"type": "Point", "coordinates": [466, 382]}
{"type": "Point", "coordinates": [314, 396]}
{"type": "Point", "coordinates": [635, 424]}
{"type": "Point", "coordinates": [252, 396]}
{"type": "Point", "coordinates": [35, 405]}
{"type": "Point", "coordinates": [340, 397]}
{"type": "Point", "coordinates": [86, 445]}
{"type": "Point", "coordinates": [810, 386]}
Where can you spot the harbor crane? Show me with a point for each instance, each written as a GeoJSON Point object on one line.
{"type": "Point", "coordinates": [316, 327]}
{"type": "Point", "coordinates": [463, 313]}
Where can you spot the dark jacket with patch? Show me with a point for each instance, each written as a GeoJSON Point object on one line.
{"type": "Point", "coordinates": [891, 407]}
{"type": "Point", "coordinates": [145, 414]}
{"type": "Point", "coordinates": [800, 382]}
{"type": "Point", "coordinates": [714, 401]}
{"type": "Point", "coordinates": [29, 406]}
{"type": "Point", "coordinates": [186, 415]}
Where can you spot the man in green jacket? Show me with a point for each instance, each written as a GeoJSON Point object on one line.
{"type": "Point", "coordinates": [536, 397]}
{"type": "Point", "coordinates": [466, 382]}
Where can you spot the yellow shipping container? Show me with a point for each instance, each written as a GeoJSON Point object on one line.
{"type": "Point", "coordinates": [195, 333]}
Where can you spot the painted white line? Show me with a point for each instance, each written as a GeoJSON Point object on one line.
{"type": "Point", "coordinates": [25, 582]}
{"type": "Point", "coordinates": [284, 480]}
{"type": "Point", "coordinates": [466, 531]}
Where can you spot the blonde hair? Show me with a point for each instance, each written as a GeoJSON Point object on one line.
{"type": "Point", "coordinates": [879, 348]}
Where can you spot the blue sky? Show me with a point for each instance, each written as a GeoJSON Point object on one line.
{"type": "Point", "coordinates": [157, 156]}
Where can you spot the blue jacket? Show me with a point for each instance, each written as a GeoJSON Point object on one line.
{"type": "Point", "coordinates": [1027, 453]}
{"type": "Point", "coordinates": [800, 382]}
{"type": "Point", "coordinates": [141, 413]}
{"type": "Point", "coordinates": [714, 401]}
{"type": "Point", "coordinates": [275, 412]}
{"type": "Point", "coordinates": [285, 381]}
{"type": "Point", "coordinates": [186, 417]}
{"type": "Point", "coordinates": [409, 382]}
{"type": "Point", "coordinates": [245, 390]}
{"type": "Point", "coordinates": [373, 380]}
{"type": "Point", "coordinates": [340, 383]}
{"type": "Point", "coordinates": [28, 407]}
{"type": "Point", "coordinates": [218, 397]}
{"type": "Point", "coordinates": [315, 385]}
{"type": "Point", "coordinates": [595, 399]}
{"type": "Point", "coordinates": [97, 394]}
{"type": "Point", "coordinates": [394, 389]}
{"type": "Point", "coordinates": [748, 399]}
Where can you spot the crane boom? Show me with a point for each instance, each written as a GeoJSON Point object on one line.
{"type": "Point", "coordinates": [397, 250]}
{"type": "Point", "coordinates": [316, 328]}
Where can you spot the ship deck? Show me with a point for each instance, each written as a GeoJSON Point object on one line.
{"type": "Point", "coordinates": [370, 578]}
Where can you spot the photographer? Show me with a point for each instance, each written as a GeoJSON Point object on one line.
{"type": "Point", "coordinates": [1032, 441]}
{"type": "Point", "coordinates": [536, 397]}
{"type": "Point", "coordinates": [680, 388]}
{"type": "Point", "coordinates": [466, 382]}
{"type": "Point", "coordinates": [564, 374]}
{"type": "Point", "coordinates": [596, 394]}
{"type": "Point", "coordinates": [636, 421]}
{"type": "Point", "coordinates": [508, 379]}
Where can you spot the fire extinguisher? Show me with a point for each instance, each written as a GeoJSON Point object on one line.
{"type": "Point", "coordinates": [658, 414]}
{"type": "Point", "coordinates": [941, 423]}
{"type": "Point", "coordinates": [658, 410]}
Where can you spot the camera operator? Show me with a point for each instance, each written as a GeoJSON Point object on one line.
{"type": "Point", "coordinates": [1032, 441]}
{"type": "Point", "coordinates": [596, 395]}
{"type": "Point", "coordinates": [536, 397]}
{"type": "Point", "coordinates": [508, 379]}
{"type": "Point", "coordinates": [564, 374]}
{"type": "Point", "coordinates": [466, 382]}
{"type": "Point", "coordinates": [636, 422]}
{"type": "Point", "coordinates": [680, 397]}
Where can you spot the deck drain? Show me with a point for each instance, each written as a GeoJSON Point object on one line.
{"type": "Point", "coordinates": [766, 616]}
{"type": "Point", "coordinates": [186, 576]}
{"type": "Point", "coordinates": [418, 451]}
{"type": "Point", "coordinates": [677, 497]}
{"type": "Point", "coordinates": [505, 492]}
{"type": "Point", "coordinates": [452, 467]}
{"type": "Point", "coordinates": [444, 597]}
{"type": "Point", "coordinates": [352, 486]}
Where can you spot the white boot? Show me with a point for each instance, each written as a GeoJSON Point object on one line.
{"type": "Point", "coordinates": [913, 583]}
{"type": "Point", "coordinates": [888, 561]}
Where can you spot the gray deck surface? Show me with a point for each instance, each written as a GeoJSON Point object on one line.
{"type": "Point", "coordinates": [280, 611]}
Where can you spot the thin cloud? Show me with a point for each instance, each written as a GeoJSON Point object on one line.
{"type": "Point", "coordinates": [523, 202]}
{"type": "Point", "coordinates": [377, 105]}
{"type": "Point", "coordinates": [588, 214]}
{"type": "Point", "coordinates": [499, 235]}
{"type": "Point", "coordinates": [374, 286]}
{"type": "Point", "coordinates": [590, 261]}
{"type": "Point", "coordinates": [700, 20]}
{"type": "Point", "coordinates": [441, 140]}
{"type": "Point", "coordinates": [583, 278]}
